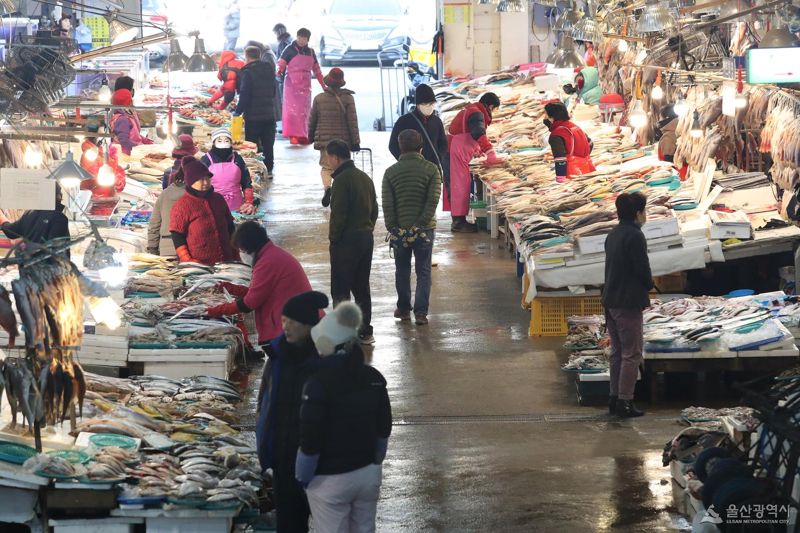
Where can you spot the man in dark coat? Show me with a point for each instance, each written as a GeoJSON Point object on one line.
{"type": "Point", "coordinates": [293, 358]}
{"type": "Point", "coordinates": [426, 121]}
{"type": "Point", "coordinates": [625, 295]}
{"type": "Point", "coordinates": [354, 211]}
{"type": "Point", "coordinates": [257, 90]}
{"type": "Point", "coordinates": [39, 226]}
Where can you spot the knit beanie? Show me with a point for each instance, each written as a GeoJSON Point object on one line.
{"type": "Point", "coordinates": [221, 132]}
{"type": "Point", "coordinates": [305, 307]}
{"type": "Point", "coordinates": [193, 170]}
{"type": "Point", "coordinates": [122, 97]}
{"type": "Point", "coordinates": [424, 95]}
{"type": "Point", "coordinates": [338, 327]}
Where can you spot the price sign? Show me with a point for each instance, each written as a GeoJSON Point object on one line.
{"type": "Point", "coordinates": [26, 189]}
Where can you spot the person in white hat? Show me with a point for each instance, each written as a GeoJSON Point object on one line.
{"type": "Point", "coordinates": [231, 177]}
{"type": "Point", "coordinates": [345, 423]}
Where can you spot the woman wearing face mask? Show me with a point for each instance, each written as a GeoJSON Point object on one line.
{"type": "Point", "coordinates": [571, 147]}
{"type": "Point", "coordinates": [200, 222]}
{"type": "Point", "coordinates": [277, 277]}
{"type": "Point", "coordinates": [231, 177]}
{"type": "Point", "coordinates": [469, 140]}
{"type": "Point", "coordinates": [426, 121]}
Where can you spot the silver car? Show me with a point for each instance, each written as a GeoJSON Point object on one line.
{"type": "Point", "coordinates": [358, 31]}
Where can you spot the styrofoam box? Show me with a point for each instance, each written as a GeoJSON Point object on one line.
{"type": "Point", "coordinates": [731, 231]}
{"type": "Point", "coordinates": [592, 245]}
{"type": "Point", "coordinates": [655, 229]}
{"type": "Point", "coordinates": [181, 370]}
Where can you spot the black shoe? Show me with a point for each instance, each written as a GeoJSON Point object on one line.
{"type": "Point", "coordinates": [612, 405]}
{"type": "Point", "coordinates": [626, 409]}
{"type": "Point", "coordinates": [460, 225]}
{"type": "Point", "coordinates": [326, 198]}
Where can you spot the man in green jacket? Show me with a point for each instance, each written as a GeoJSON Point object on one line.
{"type": "Point", "coordinates": [354, 211]}
{"type": "Point", "coordinates": [411, 190]}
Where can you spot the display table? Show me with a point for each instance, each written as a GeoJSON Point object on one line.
{"type": "Point", "coordinates": [181, 520]}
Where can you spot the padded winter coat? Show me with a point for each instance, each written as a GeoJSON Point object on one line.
{"type": "Point", "coordinates": [328, 121]}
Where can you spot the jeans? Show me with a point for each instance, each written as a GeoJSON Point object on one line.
{"type": "Point", "coordinates": [351, 263]}
{"type": "Point", "coordinates": [346, 502]}
{"type": "Point", "coordinates": [625, 329]}
{"type": "Point", "coordinates": [262, 132]}
{"type": "Point", "coordinates": [423, 254]}
{"type": "Point", "coordinates": [291, 504]}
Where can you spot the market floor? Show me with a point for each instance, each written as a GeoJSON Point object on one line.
{"type": "Point", "coordinates": [488, 434]}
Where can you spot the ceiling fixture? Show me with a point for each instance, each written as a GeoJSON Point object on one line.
{"type": "Point", "coordinates": [567, 20]}
{"type": "Point", "coordinates": [697, 131]}
{"type": "Point", "coordinates": [657, 93]}
{"type": "Point", "coordinates": [655, 18]}
{"type": "Point", "coordinates": [569, 57]}
{"type": "Point", "coordinates": [104, 94]}
{"type": "Point", "coordinates": [638, 118]}
{"type": "Point", "coordinates": [555, 52]}
{"type": "Point", "coordinates": [778, 38]}
{"type": "Point", "coordinates": [680, 107]}
{"type": "Point", "coordinates": [69, 174]}
{"type": "Point", "coordinates": [200, 60]}
{"type": "Point", "coordinates": [177, 59]}
{"type": "Point", "coordinates": [587, 29]}
{"type": "Point", "coordinates": [510, 6]}
{"type": "Point", "coordinates": [119, 32]}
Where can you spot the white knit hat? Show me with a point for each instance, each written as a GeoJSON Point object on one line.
{"type": "Point", "coordinates": [336, 328]}
{"type": "Point", "coordinates": [221, 132]}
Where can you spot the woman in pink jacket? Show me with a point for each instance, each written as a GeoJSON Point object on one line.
{"type": "Point", "coordinates": [125, 126]}
{"type": "Point", "coordinates": [277, 277]}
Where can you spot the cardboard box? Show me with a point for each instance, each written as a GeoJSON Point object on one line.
{"type": "Point", "coordinates": [595, 244]}
{"type": "Point", "coordinates": [671, 283]}
{"type": "Point", "coordinates": [730, 231]}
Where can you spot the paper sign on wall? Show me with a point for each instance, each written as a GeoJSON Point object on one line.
{"type": "Point", "coordinates": [26, 189]}
{"type": "Point", "coordinates": [458, 13]}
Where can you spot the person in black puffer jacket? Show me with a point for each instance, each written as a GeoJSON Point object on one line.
{"type": "Point", "coordinates": [345, 423]}
{"type": "Point", "coordinates": [257, 92]}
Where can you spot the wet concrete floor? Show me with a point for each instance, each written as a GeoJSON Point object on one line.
{"type": "Point", "coordinates": [488, 434]}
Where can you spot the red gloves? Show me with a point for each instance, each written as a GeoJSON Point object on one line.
{"type": "Point", "coordinates": [238, 291]}
{"type": "Point", "coordinates": [492, 159]}
{"type": "Point", "coordinates": [183, 254]}
{"type": "Point", "coordinates": [216, 96]}
{"type": "Point", "coordinates": [230, 308]}
{"type": "Point", "coordinates": [248, 196]}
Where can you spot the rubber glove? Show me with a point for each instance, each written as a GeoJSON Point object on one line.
{"type": "Point", "coordinates": [381, 446]}
{"type": "Point", "coordinates": [183, 255]}
{"type": "Point", "coordinates": [304, 467]}
{"type": "Point", "coordinates": [230, 308]}
{"type": "Point", "coordinates": [492, 159]}
{"type": "Point", "coordinates": [233, 289]}
{"type": "Point", "coordinates": [569, 89]}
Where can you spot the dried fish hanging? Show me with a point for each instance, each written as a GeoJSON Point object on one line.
{"type": "Point", "coordinates": [780, 137]}
{"type": "Point", "coordinates": [50, 304]}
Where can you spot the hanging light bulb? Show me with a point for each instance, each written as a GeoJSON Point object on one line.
{"type": "Point", "coordinates": [680, 107]}
{"type": "Point", "coordinates": [106, 176]}
{"type": "Point", "coordinates": [33, 156]}
{"type": "Point", "coordinates": [638, 118]}
{"type": "Point", "coordinates": [91, 155]}
{"type": "Point", "coordinates": [104, 94]}
{"type": "Point", "coordinates": [696, 132]}
{"type": "Point", "coordinates": [622, 45]}
{"type": "Point", "coordinates": [657, 92]}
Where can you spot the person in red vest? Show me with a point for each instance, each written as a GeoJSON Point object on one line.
{"type": "Point", "coordinates": [570, 146]}
{"type": "Point", "coordinates": [468, 140]}
{"type": "Point", "coordinates": [229, 68]}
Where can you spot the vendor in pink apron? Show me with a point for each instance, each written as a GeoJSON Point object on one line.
{"type": "Point", "coordinates": [468, 139]}
{"type": "Point", "coordinates": [231, 177]}
{"type": "Point", "coordinates": [295, 66]}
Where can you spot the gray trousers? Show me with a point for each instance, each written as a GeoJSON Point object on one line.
{"type": "Point", "coordinates": [627, 342]}
{"type": "Point", "coordinates": [345, 503]}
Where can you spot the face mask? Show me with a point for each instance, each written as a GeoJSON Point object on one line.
{"type": "Point", "coordinates": [223, 144]}
{"type": "Point", "coordinates": [426, 109]}
{"type": "Point", "coordinates": [579, 82]}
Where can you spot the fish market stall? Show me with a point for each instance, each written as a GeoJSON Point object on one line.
{"type": "Point", "coordinates": [751, 334]}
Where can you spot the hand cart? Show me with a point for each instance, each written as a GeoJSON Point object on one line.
{"type": "Point", "coordinates": [394, 86]}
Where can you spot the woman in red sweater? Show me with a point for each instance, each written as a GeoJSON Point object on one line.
{"type": "Point", "coordinates": [277, 277]}
{"type": "Point", "coordinates": [200, 222]}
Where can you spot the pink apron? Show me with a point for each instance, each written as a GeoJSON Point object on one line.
{"type": "Point", "coordinates": [462, 149]}
{"type": "Point", "coordinates": [297, 96]}
{"type": "Point", "coordinates": [227, 181]}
